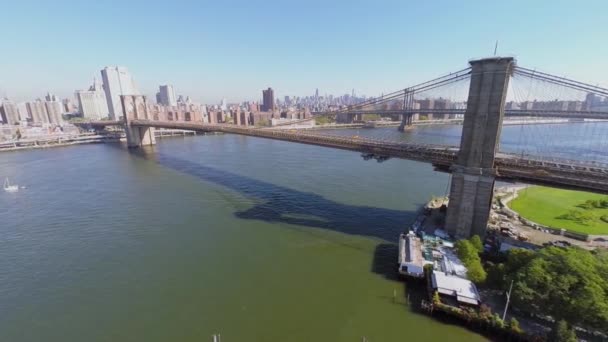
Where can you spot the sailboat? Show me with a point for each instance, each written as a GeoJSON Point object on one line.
{"type": "Point", "coordinates": [10, 188]}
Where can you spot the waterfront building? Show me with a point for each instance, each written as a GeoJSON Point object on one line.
{"type": "Point", "coordinates": [268, 104]}
{"type": "Point", "coordinates": [23, 112]}
{"type": "Point", "coordinates": [411, 261]}
{"type": "Point", "coordinates": [458, 289]}
{"type": "Point", "coordinates": [92, 103]}
{"type": "Point", "coordinates": [166, 95]}
{"type": "Point", "coordinates": [37, 111]}
{"type": "Point", "coordinates": [68, 106]}
{"type": "Point", "coordinates": [117, 81]}
{"type": "Point", "coordinates": [9, 112]}
{"type": "Point", "coordinates": [54, 110]}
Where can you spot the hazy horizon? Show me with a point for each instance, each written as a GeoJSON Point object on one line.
{"type": "Point", "coordinates": [234, 50]}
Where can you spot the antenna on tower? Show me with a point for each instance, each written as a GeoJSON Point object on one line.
{"type": "Point", "coordinates": [495, 47]}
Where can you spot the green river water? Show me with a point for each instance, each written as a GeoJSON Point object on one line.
{"type": "Point", "coordinates": [255, 239]}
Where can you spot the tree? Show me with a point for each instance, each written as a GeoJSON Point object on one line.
{"type": "Point", "coordinates": [476, 273]}
{"type": "Point", "coordinates": [496, 275]}
{"type": "Point", "coordinates": [476, 242]}
{"type": "Point", "coordinates": [469, 256]}
{"type": "Point", "coordinates": [466, 251]}
{"type": "Point", "coordinates": [568, 284]}
{"type": "Point", "coordinates": [562, 333]}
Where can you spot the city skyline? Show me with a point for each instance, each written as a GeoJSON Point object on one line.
{"type": "Point", "coordinates": [333, 47]}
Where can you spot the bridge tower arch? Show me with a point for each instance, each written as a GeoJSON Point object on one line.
{"type": "Point", "coordinates": [408, 106]}
{"type": "Point", "coordinates": [474, 173]}
{"type": "Point", "coordinates": [135, 107]}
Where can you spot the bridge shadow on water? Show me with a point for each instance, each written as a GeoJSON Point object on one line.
{"type": "Point", "coordinates": [278, 204]}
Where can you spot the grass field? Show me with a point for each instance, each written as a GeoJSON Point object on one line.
{"type": "Point", "coordinates": [544, 205]}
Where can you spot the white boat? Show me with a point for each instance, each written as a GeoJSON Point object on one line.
{"type": "Point", "coordinates": [10, 188]}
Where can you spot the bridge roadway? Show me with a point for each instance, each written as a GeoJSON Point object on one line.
{"type": "Point", "coordinates": [597, 115]}
{"type": "Point", "coordinates": [559, 173]}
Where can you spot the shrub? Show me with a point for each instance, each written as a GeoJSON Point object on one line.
{"type": "Point", "coordinates": [497, 321]}
{"type": "Point", "coordinates": [485, 312]}
{"type": "Point", "coordinates": [604, 218]}
{"type": "Point", "coordinates": [514, 326]}
{"type": "Point", "coordinates": [562, 333]}
{"type": "Point", "coordinates": [436, 299]}
{"type": "Point", "coordinates": [577, 216]}
{"type": "Point", "coordinates": [587, 205]}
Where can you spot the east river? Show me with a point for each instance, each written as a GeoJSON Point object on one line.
{"type": "Point", "coordinates": [257, 240]}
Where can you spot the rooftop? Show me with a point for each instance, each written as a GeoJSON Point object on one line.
{"type": "Point", "coordinates": [464, 290]}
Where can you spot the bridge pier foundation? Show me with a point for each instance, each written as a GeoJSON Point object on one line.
{"type": "Point", "coordinates": [474, 172]}
{"type": "Point", "coordinates": [140, 136]}
{"type": "Point", "coordinates": [406, 122]}
{"type": "Point", "coordinates": [135, 107]}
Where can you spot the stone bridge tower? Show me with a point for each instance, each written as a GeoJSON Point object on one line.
{"type": "Point", "coordinates": [474, 173]}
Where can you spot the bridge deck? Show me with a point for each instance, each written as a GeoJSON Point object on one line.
{"type": "Point", "coordinates": [562, 173]}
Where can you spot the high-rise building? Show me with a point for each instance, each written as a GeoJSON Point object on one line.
{"type": "Point", "coordinates": [224, 105]}
{"type": "Point", "coordinates": [117, 81]}
{"type": "Point", "coordinates": [54, 110]}
{"type": "Point", "coordinates": [51, 97]}
{"type": "Point", "coordinates": [268, 104]}
{"type": "Point", "coordinates": [24, 114]}
{"type": "Point", "coordinates": [68, 105]}
{"type": "Point", "coordinates": [9, 112]}
{"type": "Point", "coordinates": [166, 95]}
{"type": "Point", "coordinates": [92, 103]}
{"type": "Point", "coordinates": [37, 111]}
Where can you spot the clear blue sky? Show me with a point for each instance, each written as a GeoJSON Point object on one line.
{"type": "Point", "coordinates": [234, 49]}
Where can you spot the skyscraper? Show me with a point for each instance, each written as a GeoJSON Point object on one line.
{"type": "Point", "coordinates": [92, 103]}
{"type": "Point", "coordinates": [54, 110]}
{"type": "Point", "coordinates": [51, 97]}
{"type": "Point", "coordinates": [268, 100]}
{"type": "Point", "coordinates": [117, 81]}
{"type": "Point", "coordinates": [9, 112]}
{"type": "Point", "coordinates": [37, 111]}
{"type": "Point", "coordinates": [166, 95]}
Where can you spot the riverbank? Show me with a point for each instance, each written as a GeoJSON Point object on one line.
{"type": "Point", "coordinates": [522, 323]}
{"type": "Point", "coordinates": [57, 141]}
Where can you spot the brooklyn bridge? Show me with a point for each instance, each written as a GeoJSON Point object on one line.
{"type": "Point", "coordinates": [489, 87]}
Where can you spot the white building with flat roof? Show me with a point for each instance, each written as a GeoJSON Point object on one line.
{"type": "Point", "coordinates": [54, 110]}
{"type": "Point", "coordinates": [37, 112]}
{"type": "Point", "coordinates": [463, 290]}
{"type": "Point", "coordinates": [92, 103]}
{"type": "Point", "coordinates": [117, 81]}
{"type": "Point", "coordinates": [9, 112]}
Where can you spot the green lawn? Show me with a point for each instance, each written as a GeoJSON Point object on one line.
{"type": "Point", "coordinates": [544, 205]}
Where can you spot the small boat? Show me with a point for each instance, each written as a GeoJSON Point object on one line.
{"type": "Point", "coordinates": [10, 188]}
